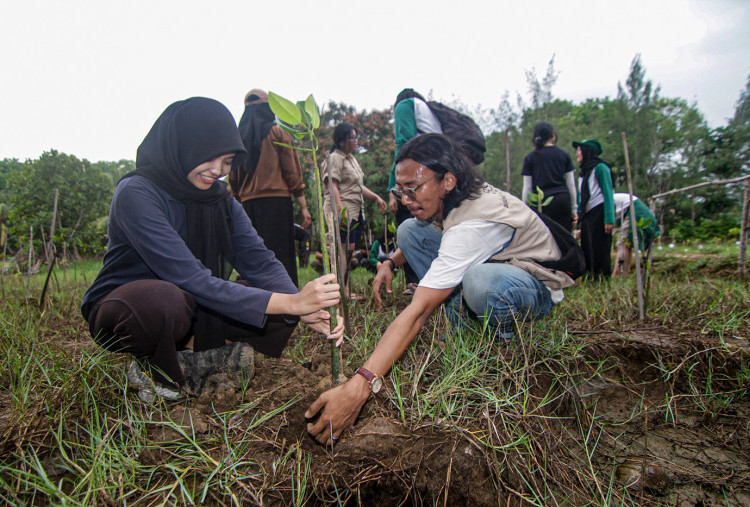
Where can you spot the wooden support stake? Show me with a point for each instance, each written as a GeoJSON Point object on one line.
{"type": "Point", "coordinates": [742, 261]}
{"type": "Point", "coordinates": [49, 247]}
{"type": "Point", "coordinates": [28, 267]}
{"type": "Point", "coordinates": [4, 237]}
{"type": "Point", "coordinates": [634, 229]}
{"type": "Point", "coordinates": [507, 159]}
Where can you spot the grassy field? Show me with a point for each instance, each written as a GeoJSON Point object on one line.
{"type": "Point", "coordinates": [587, 407]}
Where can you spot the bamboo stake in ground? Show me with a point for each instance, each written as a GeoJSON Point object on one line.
{"type": "Point", "coordinates": [742, 261]}
{"type": "Point", "coordinates": [3, 236]}
{"type": "Point", "coordinates": [507, 159]}
{"type": "Point", "coordinates": [28, 267]}
{"type": "Point", "coordinates": [49, 247]}
{"type": "Point", "coordinates": [634, 229]}
{"type": "Point", "coordinates": [338, 267]}
{"type": "Point", "coordinates": [334, 267]}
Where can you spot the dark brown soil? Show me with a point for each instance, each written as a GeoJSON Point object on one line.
{"type": "Point", "coordinates": [670, 454]}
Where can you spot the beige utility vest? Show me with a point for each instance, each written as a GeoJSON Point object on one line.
{"type": "Point", "coordinates": [531, 242]}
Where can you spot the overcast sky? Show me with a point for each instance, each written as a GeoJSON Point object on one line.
{"type": "Point", "coordinates": [89, 78]}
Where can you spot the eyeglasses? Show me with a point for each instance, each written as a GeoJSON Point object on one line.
{"type": "Point", "coordinates": [409, 193]}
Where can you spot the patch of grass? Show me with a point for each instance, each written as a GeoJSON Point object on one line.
{"type": "Point", "coordinates": [535, 409]}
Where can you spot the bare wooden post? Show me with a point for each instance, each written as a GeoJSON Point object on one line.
{"type": "Point", "coordinates": [48, 248]}
{"type": "Point", "coordinates": [742, 261]}
{"type": "Point", "coordinates": [3, 236]}
{"type": "Point", "coordinates": [507, 159]}
{"type": "Point", "coordinates": [28, 267]}
{"type": "Point", "coordinates": [634, 229]}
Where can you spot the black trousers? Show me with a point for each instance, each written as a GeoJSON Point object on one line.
{"type": "Point", "coordinates": [152, 319]}
{"type": "Point", "coordinates": [273, 219]}
{"type": "Point", "coordinates": [596, 244]}
{"type": "Point", "coordinates": [559, 210]}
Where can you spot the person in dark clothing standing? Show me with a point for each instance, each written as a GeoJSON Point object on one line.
{"type": "Point", "coordinates": [264, 180]}
{"type": "Point", "coordinates": [596, 209]}
{"type": "Point", "coordinates": [551, 169]}
{"type": "Point", "coordinates": [175, 236]}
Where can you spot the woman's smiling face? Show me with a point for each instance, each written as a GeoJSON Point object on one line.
{"type": "Point", "coordinates": [204, 176]}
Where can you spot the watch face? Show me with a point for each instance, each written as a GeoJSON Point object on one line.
{"type": "Point", "coordinates": [376, 385]}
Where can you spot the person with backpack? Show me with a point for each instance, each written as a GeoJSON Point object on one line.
{"type": "Point", "coordinates": [471, 244]}
{"type": "Point", "coordinates": [413, 115]}
{"type": "Point", "coordinates": [596, 208]}
{"type": "Point", "coordinates": [550, 169]}
{"type": "Point", "coordinates": [265, 179]}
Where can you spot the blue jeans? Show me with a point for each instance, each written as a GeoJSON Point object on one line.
{"type": "Point", "coordinates": [499, 294]}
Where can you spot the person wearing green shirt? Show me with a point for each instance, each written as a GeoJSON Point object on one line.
{"type": "Point", "coordinates": [596, 208]}
{"type": "Point", "coordinates": [646, 233]}
{"type": "Point", "coordinates": [411, 116]}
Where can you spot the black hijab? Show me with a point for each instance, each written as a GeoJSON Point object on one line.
{"type": "Point", "coordinates": [590, 161]}
{"type": "Point", "coordinates": [187, 134]}
{"type": "Point", "coordinates": [255, 124]}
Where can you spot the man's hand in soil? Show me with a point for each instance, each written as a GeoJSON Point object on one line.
{"type": "Point", "coordinates": [340, 407]}
{"type": "Point", "coordinates": [385, 275]}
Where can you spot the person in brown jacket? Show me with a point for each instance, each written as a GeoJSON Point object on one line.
{"type": "Point", "coordinates": [267, 177]}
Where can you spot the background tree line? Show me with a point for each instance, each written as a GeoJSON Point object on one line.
{"type": "Point", "coordinates": [670, 146]}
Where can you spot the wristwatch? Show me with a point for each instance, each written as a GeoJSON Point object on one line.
{"type": "Point", "coordinates": [393, 263]}
{"type": "Point", "coordinates": [376, 383]}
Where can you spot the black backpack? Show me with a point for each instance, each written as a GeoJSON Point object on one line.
{"type": "Point", "coordinates": [462, 130]}
{"type": "Point", "coordinates": [572, 262]}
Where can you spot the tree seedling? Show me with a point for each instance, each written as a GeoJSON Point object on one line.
{"type": "Point", "coordinates": [301, 120]}
{"type": "Point", "coordinates": [537, 199]}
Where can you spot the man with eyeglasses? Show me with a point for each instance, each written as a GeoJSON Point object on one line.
{"type": "Point", "coordinates": [471, 244]}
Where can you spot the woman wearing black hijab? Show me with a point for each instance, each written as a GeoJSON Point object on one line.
{"type": "Point", "coordinates": [596, 208]}
{"type": "Point", "coordinates": [175, 234]}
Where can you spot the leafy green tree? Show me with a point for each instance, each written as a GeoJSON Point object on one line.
{"type": "Point", "coordinates": [8, 167]}
{"type": "Point", "coordinates": [84, 195]}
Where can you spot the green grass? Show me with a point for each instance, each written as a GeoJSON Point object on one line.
{"type": "Point", "coordinates": [71, 434]}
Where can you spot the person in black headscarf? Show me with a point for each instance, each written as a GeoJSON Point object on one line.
{"type": "Point", "coordinates": [596, 208]}
{"type": "Point", "coordinates": [175, 235]}
{"type": "Point", "coordinates": [264, 180]}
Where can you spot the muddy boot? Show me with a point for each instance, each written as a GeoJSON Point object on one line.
{"type": "Point", "coordinates": [236, 362]}
{"type": "Point", "coordinates": [150, 390]}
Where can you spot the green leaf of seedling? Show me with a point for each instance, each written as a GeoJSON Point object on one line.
{"type": "Point", "coordinates": [539, 193]}
{"type": "Point", "coordinates": [392, 228]}
{"type": "Point", "coordinates": [643, 223]}
{"type": "Point", "coordinates": [298, 134]}
{"type": "Point", "coordinates": [286, 111]}
{"type": "Point", "coordinates": [311, 108]}
{"type": "Point", "coordinates": [306, 120]}
{"type": "Point", "coordinates": [548, 200]}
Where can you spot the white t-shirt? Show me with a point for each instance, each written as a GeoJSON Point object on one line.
{"type": "Point", "coordinates": [462, 246]}
{"type": "Point", "coordinates": [467, 244]}
{"type": "Point", "coordinates": [425, 119]}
